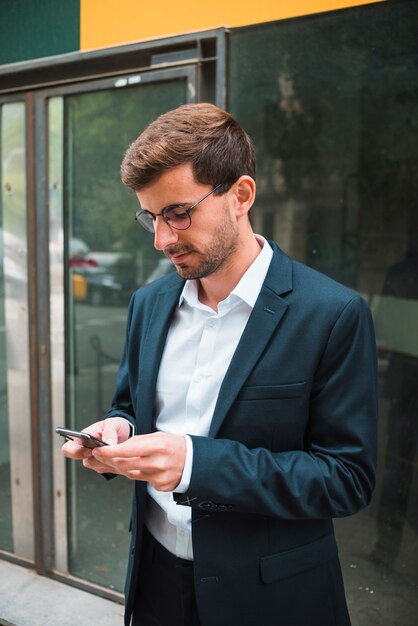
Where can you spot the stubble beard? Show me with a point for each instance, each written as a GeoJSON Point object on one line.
{"type": "Point", "coordinates": [216, 254]}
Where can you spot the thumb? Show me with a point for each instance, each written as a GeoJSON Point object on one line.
{"type": "Point", "coordinates": [110, 433]}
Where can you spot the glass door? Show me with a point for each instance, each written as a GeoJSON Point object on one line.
{"type": "Point", "coordinates": [97, 258]}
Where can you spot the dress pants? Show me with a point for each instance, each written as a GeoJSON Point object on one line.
{"type": "Point", "coordinates": [166, 594]}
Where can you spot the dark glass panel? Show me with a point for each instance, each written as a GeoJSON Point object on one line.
{"type": "Point", "coordinates": [331, 102]}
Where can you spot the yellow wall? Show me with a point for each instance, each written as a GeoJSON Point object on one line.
{"type": "Point", "coordinates": [106, 23]}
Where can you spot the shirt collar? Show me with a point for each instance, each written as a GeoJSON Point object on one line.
{"type": "Point", "coordinates": [249, 286]}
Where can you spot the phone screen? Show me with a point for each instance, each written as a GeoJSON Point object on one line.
{"type": "Point", "coordinates": [85, 439]}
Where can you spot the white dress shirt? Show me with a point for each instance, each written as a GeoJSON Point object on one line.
{"type": "Point", "coordinates": [199, 348]}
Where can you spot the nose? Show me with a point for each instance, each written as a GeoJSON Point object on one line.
{"type": "Point", "coordinates": [163, 235]}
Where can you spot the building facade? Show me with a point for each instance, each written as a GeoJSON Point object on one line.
{"type": "Point", "coordinates": [328, 90]}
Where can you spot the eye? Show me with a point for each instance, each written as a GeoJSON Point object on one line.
{"type": "Point", "coordinates": [175, 213]}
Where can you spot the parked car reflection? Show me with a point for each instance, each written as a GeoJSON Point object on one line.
{"type": "Point", "coordinates": [94, 285]}
{"type": "Point", "coordinates": [100, 278]}
{"type": "Point", "coordinates": [108, 278]}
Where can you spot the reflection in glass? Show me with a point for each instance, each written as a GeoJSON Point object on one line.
{"type": "Point", "coordinates": [5, 490]}
{"type": "Point", "coordinates": [396, 329]}
{"type": "Point", "coordinates": [56, 283]}
{"type": "Point", "coordinates": [334, 122]}
{"type": "Point", "coordinates": [16, 522]}
{"type": "Point", "coordinates": [106, 258]}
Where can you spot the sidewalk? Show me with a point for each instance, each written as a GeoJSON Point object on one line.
{"type": "Point", "coordinates": [27, 599]}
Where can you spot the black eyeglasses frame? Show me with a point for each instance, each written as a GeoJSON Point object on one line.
{"type": "Point", "coordinates": [149, 225]}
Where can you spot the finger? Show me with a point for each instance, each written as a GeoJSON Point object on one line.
{"type": "Point", "coordinates": [100, 468]}
{"type": "Point", "coordinates": [159, 474]}
{"type": "Point", "coordinates": [139, 445]}
{"type": "Point", "coordinates": [134, 464]}
{"type": "Point", "coordinates": [133, 467]}
{"type": "Point", "coordinates": [96, 430]}
{"type": "Point", "coordinates": [113, 430]}
{"type": "Point", "coordinates": [110, 433]}
{"type": "Point", "coordinates": [127, 450]}
{"type": "Point", "coordinates": [73, 450]}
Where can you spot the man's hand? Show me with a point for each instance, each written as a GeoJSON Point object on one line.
{"type": "Point", "coordinates": [113, 431]}
{"type": "Point", "coordinates": [157, 458]}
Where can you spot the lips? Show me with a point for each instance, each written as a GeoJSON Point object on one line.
{"type": "Point", "coordinates": [177, 256]}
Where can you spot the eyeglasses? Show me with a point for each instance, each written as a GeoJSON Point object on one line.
{"type": "Point", "coordinates": [176, 215]}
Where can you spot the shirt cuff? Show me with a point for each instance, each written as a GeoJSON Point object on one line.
{"type": "Point", "coordinates": [187, 470]}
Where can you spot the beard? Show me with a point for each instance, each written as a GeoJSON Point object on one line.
{"type": "Point", "coordinates": [215, 255]}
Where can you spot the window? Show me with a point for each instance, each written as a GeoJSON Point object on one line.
{"type": "Point", "coordinates": [331, 102]}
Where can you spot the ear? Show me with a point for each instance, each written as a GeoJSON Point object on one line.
{"type": "Point", "coordinates": [244, 194]}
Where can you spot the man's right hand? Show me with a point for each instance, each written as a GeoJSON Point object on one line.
{"type": "Point", "coordinates": [113, 430]}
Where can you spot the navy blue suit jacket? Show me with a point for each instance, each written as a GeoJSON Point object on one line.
{"type": "Point", "coordinates": [292, 445]}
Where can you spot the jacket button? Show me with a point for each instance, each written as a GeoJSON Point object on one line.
{"type": "Point", "coordinates": [207, 505]}
{"type": "Point", "coordinates": [209, 579]}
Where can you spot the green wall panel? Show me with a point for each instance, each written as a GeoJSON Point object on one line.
{"type": "Point", "coordinates": [30, 29]}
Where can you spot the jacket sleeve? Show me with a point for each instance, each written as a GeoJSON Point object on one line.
{"type": "Point", "coordinates": [334, 474]}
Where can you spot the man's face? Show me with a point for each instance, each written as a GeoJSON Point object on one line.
{"type": "Point", "coordinates": [211, 240]}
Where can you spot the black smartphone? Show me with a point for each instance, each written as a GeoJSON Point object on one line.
{"type": "Point", "coordinates": [86, 440]}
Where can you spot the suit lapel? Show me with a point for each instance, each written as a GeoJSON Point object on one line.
{"type": "Point", "coordinates": [264, 319]}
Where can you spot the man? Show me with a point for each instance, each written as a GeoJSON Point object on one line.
{"type": "Point", "coordinates": [249, 384]}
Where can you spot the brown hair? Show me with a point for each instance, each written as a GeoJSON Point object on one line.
{"type": "Point", "coordinates": [219, 150]}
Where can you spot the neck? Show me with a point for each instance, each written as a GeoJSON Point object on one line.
{"type": "Point", "coordinates": [217, 287]}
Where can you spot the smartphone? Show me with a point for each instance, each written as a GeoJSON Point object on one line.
{"type": "Point", "coordinates": [86, 440]}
